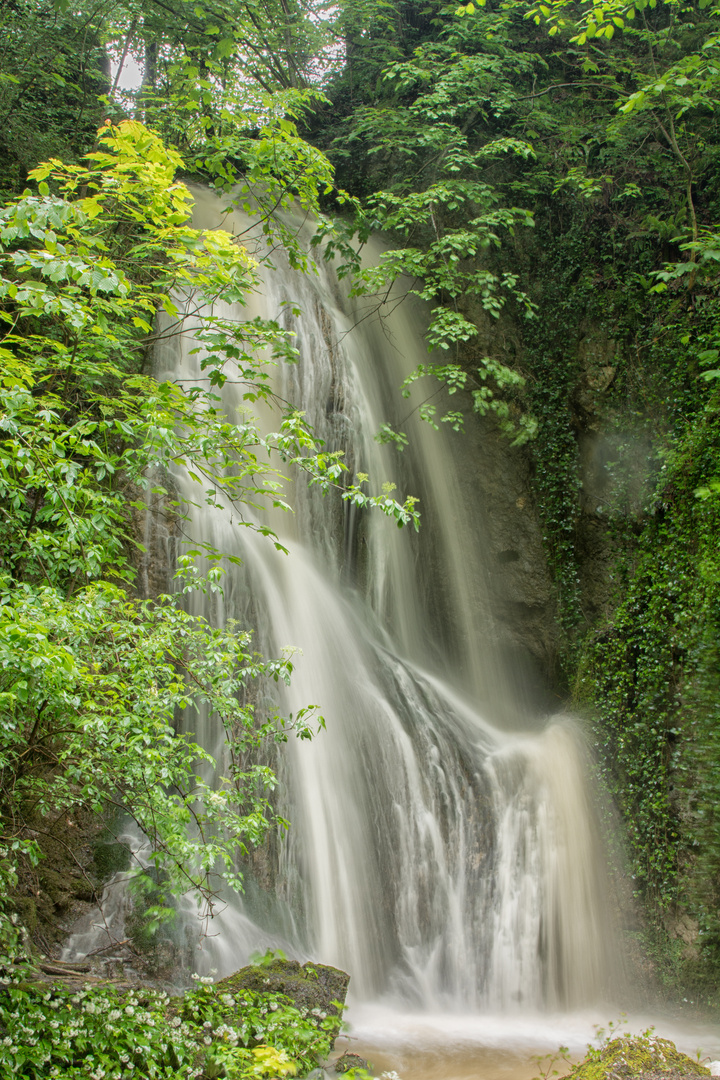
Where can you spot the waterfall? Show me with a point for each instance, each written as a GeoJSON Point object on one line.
{"type": "Point", "coordinates": [439, 854]}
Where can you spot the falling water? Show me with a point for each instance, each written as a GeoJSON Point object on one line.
{"type": "Point", "coordinates": [436, 853]}
{"type": "Point", "coordinates": [103, 928]}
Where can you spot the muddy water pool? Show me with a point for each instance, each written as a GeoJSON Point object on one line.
{"type": "Point", "coordinates": [425, 1046]}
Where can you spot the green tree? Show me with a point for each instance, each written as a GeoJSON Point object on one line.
{"type": "Point", "coordinates": [53, 71]}
{"type": "Point", "coordinates": [431, 129]}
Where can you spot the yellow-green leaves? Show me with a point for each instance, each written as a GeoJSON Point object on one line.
{"type": "Point", "coordinates": [468, 9]}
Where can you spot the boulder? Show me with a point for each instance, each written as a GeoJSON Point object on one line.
{"type": "Point", "coordinates": [310, 986]}
{"type": "Point", "coordinates": [350, 1061]}
{"type": "Point", "coordinates": [638, 1057]}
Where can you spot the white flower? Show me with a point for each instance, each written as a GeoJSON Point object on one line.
{"type": "Point", "coordinates": [225, 1032]}
{"type": "Point", "coordinates": [115, 1015]}
{"type": "Point", "coordinates": [129, 1011]}
{"type": "Point", "coordinates": [7, 1041]}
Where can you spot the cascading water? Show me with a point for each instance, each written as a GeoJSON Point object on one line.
{"type": "Point", "coordinates": [435, 853]}
{"type": "Point", "coordinates": [103, 928]}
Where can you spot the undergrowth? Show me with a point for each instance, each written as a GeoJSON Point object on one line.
{"type": "Point", "coordinates": [104, 1033]}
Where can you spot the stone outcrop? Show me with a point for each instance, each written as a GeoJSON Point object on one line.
{"type": "Point", "coordinates": [309, 986]}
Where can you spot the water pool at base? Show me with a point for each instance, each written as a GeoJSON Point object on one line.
{"type": "Point", "coordinates": [426, 1046]}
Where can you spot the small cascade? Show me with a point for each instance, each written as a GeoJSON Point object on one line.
{"type": "Point", "coordinates": [441, 856]}
{"type": "Point", "coordinates": [548, 886]}
{"type": "Point", "coordinates": [102, 928]}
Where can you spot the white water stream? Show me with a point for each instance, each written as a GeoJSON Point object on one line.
{"type": "Point", "coordinates": [444, 857]}
{"type": "Point", "coordinates": [440, 858]}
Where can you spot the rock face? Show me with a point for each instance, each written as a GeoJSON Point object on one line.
{"type": "Point", "coordinates": [521, 596]}
{"type": "Point", "coordinates": [498, 480]}
{"type": "Point", "coordinates": [310, 986]}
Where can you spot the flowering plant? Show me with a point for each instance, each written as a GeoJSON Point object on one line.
{"type": "Point", "coordinates": [103, 1033]}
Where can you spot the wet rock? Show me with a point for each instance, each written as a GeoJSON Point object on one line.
{"type": "Point", "coordinates": [350, 1061]}
{"type": "Point", "coordinates": [166, 958]}
{"type": "Point", "coordinates": [685, 929]}
{"type": "Point", "coordinates": [114, 968]}
{"type": "Point", "coordinates": [309, 986]}
{"type": "Point", "coordinates": [638, 1057]}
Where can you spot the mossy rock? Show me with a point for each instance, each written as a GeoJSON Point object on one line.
{"type": "Point", "coordinates": [58, 884]}
{"type": "Point", "coordinates": [310, 986]}
{"type": "Point", "coordinates": [109, 857]}
{"type": "Point", "coordinates": [631, 1056]}
{"type": "Point", "coordinates": [26, 908]}
{"type": "Point", "coordinates": [349, 1061]}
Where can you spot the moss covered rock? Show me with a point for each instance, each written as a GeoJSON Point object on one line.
{"type": "Point", "coordinates": [310, 986]}
{"type": "Point", "coordinates": [631, 1056]}
{"type": "Point", "coordinates": [349, 1061]}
